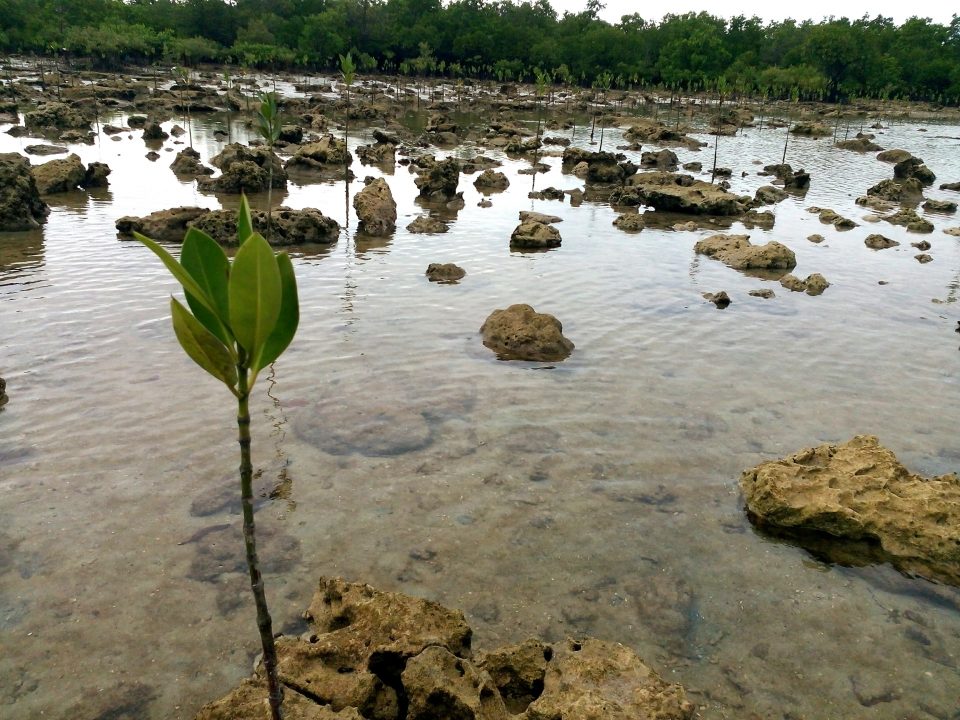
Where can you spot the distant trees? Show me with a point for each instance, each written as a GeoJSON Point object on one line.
{"type": "Point", "coordinates": [502, 38]}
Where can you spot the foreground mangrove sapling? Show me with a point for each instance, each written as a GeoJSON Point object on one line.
{"type": "Point", "coordinates": [240, 318]}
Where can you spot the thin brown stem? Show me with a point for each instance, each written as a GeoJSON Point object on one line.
{"type": "Point", "coordinates": [264, 622]}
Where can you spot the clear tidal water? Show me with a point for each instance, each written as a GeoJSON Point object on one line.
{"type": "Point", "coordinates": [597, 496]}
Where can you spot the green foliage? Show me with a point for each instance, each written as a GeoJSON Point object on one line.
{"type": "Point", "coordinates": [268, 119]}
{"type": "Point", "coordinates": [504, 39]}
{"type": "Point", "coordinates": [241, 316]}
{"type": "Point", "coordinates": [348, 69]}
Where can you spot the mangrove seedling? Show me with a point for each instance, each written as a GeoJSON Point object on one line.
{"type": "Point", "coordinates": [239, 319]}
{"type": "Point", "coordinates": [269, 127]}
{"type": "Point", "coordinates": [348, 71]}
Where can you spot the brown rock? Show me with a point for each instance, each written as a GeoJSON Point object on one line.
{"type": "Point", "coordinates": [764, 293]}
{"type": "Point", "coordinates": [491, 181]}
{"type": "Point", "coordinates": [526, 215]}
{"type": "Point", "coordinates": [439, 684]}
{"type": "Point", "coordinates": [720, 299]}
{"type": "Point", "coordinates": [769, 195]}
{"type": "Point", "coordinates": [59, 176]}
{"type": "Point", "coordinates": [532, 235]}
{"type": "Point", "coordinates": [894, 156]}
{"type": "Point", "coordinates": [248, 701]}
{"type": "Point", "coordinates": [908, 191]}
{"type": "Point", "coordinates": [376, 208]}
{"type": "Point", "coordinates": [446, 273]}
{"type": "Point", "coordinates": [21, 207]}
{"type": "Point", "coordinates": [286, 226]}
{"type": "Point", "coordinates": [815, 284]}
{"type": "Point", "coordinates": [678, 193]}
{"type": "Point", "coordinates": [518, 671]}
{"type": "Point", "coordinates": [630, 222]}
{"type": "Point", "coordinates": [861, 143]}
{"type": "Point", "coordinates": [166, 225]}
{"type": "Point", "coordinates": [857, 492]}
{"type": "Point", "coordinates": [944, 206]}
{"type": "Point", "coordinates": [596, 680]}
{"type": "Point", "coordinates": [187, 164]}
{"type": "Point", "coordinates": [738, 252]}
{"type": "Point", "coordinates": [521, 333]}
{"type": "Point", "coordinates": [427, 224]}
{"type": "Point", "coordinates": [879, 242]}
{"type": "Point", "coordinates": [923, 258]}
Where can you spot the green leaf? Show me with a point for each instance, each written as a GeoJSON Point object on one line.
{"type": "Point", "coordinates": [207, 263]}
{"type": "Point", "coordinates": [203, 347]}
{"type": "Point", "coordinates": [288, 319]}
{"type": "Point", "coordinates": [244, 221]}
{"type": "Point", "coordinates": [255, 295]}
{"type": "Point", "coordinates": [190, 285]}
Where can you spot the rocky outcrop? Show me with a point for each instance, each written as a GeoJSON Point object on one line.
{"type": "Point", "coordinates": [245, 169]}
{"type": "Point", "coordinates": [909, 218]}
{"type": "Point", "coordinates": [739, 253]}
{"type": "Point", "coordinates": [445, 273]}
{"type": "Point", "coordinates": [943, 206]}
{"type": "Point", "coordinates": [96, 176]}
{"type": "Point", "coordinates": [679, 193]}
{"type": "Point", "coordinates": [858, 500]}
{"type": "Point", "coordinates": [832, 217]}
{"type": "Point", "coordinates": [893, 156]}
{"type": "Point", "coordinates": [377, 154]}
{"type": "Point", "coordinates": [164, 225]}
{"type": "Point", "coordinates": [59, 176]}
{"type": "Point", "coordinates": [21, 207]}
{"type": "Point", "coordinates": [286, 227]}
{"type": "Point", "coordinates": [387, 656]}
{"type": "Point", "coordinates": [861, 143]}
{"type": "Point", "coordinates": [663, 160]}
{"type": "Point", "coordinates": [815, 283]}
{"type": "Point", "coordinates": [810, 129]}
{"type": "Point", "coordinates": [426, 224]}
{"type": "Point", "coordinates": [539, 217]}
{"type": "Point", "coordinates": [187, 164]}
{"type": "Point", "coordinates": [439, 181]}
{"type": "Point", "coordinates": [656, 133]}
{"type": "Point", "coordinates": [630, 222]}
{"type": "Point", "coordinates": [913, 167]}
{"type": "Point", "coordinates": [791, 180]}
{"type": "Point", "coordinates": [56, 115]}
{"type": "Point", "coordinates": [328, 157]}
{"type": "Point", "coordinates": [879, 242]}
{"type": "Point", "coordinates": [533, 235]}
{"type": "Point", "coordinates": [376, 208]}
{"type": "Point", "coordinates": [521, 333]}
{"type": "Point", "coordinates": [769, 195]}
{"type": "Point", "coordinates": [908, 191]}
{"type": "Point", "coordinates": [490, 181]}
{"type": "Point", "coordinates": [601, 167]}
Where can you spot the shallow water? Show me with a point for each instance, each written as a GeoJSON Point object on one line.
{"type": "Point", "coordinates": [596, 496]}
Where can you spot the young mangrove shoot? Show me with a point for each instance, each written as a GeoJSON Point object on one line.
{"type": "Point", "coordinates": [239, 319]}
{"type": "Point", "coordinates": [268, 127]}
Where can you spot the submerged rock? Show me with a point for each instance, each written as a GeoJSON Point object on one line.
{"type": "Point", "coordinates": [521, 333]}
{"type": "Point", "coordinates": [908, 191]}
{"type": "Point", "coordinates": [861, 143]}
{"type": "Point", "coordinates": [792, 180]}
{"type": "Point", "coordinates": [630, 222]}
{"type": "Point", "coordinates": [739, 253]}
{"type": "Point", "coordinates": [426, 224]}
{"type": "Point", "coordinates": [382, 656]}
{"type": "Point", "coordinates": [720, 299]}
{"type": "Point", "coordinates": [944, 206]}
{"type": "Point", "coordinates": [911, 220]}
{"type": "Point", "coordinates": [445, 273]}
{"type": "Point", "coordinates": [769, 195]}
{"type": "Point", "coordinates": [894, 156]}
{"type": "Point", "coordinates": [859, 495]}
{"type": "Point", "coordinates": [376, 208]}
{"type": "Point", "coordinates": [21, 207]}
{"type": "Point", "coordinates": [879, 242]}
{"type": "Point", "coordinates": [809, 129]}
{"type": "Point", "coordinates": [913, 167]}
{"type": "Point", "coordinates": [815, 283]}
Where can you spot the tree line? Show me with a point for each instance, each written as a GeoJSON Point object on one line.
{"type": "Point", "coordinates": [833, 59]}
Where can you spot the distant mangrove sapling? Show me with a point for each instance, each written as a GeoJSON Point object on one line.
{"type": "Point", "coordinates": [269, 127]}
{"type": "Point", "coordinates": [240, 318]}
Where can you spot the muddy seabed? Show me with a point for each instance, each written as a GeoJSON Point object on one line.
{"type": "Point", "coordinates": [596, 496]}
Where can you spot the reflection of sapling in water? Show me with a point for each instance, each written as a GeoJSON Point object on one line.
{"type": "Point", "coordinates": [241, 317]}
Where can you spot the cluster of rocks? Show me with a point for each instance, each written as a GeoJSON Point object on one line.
{"type": "Point", "coordinates": [814, 284]}
{"type": "Point", "coordinates": [387, 656]}
{"type": "Point", "coordinates": [438, 179]}
{"type": "Point", "coordinates": [656, 133]}
{"type": "Point", "coordinates": [857, 502]}
{"type": "Point", "coordinates": [382, 152]}
{"type": "Point", "coordinates": [862, 143]}
{"type": "Point", "coordinates": [797, 180]}
{"type": "Point", "coordinates": [327, 158]}
{"type": "Point", "coordinates": [738, 252]}
{"type": "Point", "coordinates": [187, 164]}
{"type": "Point", "coordinates": [598, 167]}
{"type": "Point", "coordinates": [283, 227]}
{"type": "Point", "coordinates": [681, 193]}
{"type": "Point", "coordinates": [69, 174]}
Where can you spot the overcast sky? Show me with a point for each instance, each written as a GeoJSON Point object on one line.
{"type": "Point", "coordinates": [938, 10]}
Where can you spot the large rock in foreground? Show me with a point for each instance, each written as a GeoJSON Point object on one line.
{"type": "Point", "coordinates": [858, 493]}
{"type": "Point", "coordinates": [20, 205]}
{"type": "Point", "coordinates": [521, 333]}
{"type": "Point", "coordinates": [387, 656]}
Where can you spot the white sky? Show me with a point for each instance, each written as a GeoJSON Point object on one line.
{"type": "Point", "coordinates": [938, 10]}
